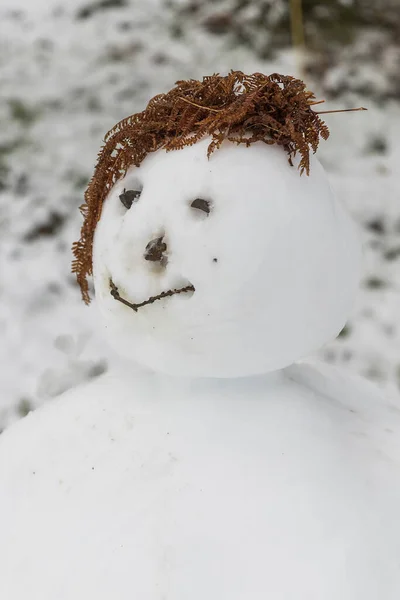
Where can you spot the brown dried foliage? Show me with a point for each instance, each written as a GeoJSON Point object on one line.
{"type": "Point", "coordinates": [275, 109]}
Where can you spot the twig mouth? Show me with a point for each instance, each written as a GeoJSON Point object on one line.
{"type": "Point", "coordinates": [116, 295]}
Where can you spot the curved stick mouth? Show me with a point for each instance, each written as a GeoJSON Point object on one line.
{"type": "Point", "coordinates": [116, 295]}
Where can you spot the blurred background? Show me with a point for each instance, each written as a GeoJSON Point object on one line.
{"type": "Point", "coordinates": [69, 71]}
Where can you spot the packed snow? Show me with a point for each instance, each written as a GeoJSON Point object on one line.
{"type": "Point", "coordinates": [273, 259]}
{"type": "Point", "coordinates": [69, 71]}
{"type": "Point", "coordinates": [170, 477]}
{"type": "Point", "coordinates": [140, 485]}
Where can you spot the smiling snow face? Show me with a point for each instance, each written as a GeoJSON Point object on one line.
{"type": "Point", "coordinates": [232, 266]}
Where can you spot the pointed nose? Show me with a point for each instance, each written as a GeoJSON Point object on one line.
{"type": "Point", "coordinates": [155, 250]}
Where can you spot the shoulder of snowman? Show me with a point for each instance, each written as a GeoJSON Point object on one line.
{"type": "Point", "coordinates": [79, 419]}
{"type": "Point", "coordinates": [338, 385]}
{"type": "Point", "coordinates": [369, 411]}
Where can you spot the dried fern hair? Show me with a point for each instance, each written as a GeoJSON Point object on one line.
{"type": "Point", "coordinates": [275, 109]}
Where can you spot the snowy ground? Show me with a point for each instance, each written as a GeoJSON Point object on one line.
{"type": "Point", "coordinates": [67, 74]}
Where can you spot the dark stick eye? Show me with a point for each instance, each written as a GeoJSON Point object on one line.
{"type": "Point", "coordinates": [129, 196]}
{"type": "Point", "coordinates": [201, 204]}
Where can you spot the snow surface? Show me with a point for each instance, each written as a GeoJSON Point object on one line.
{"type": "Point", "coordinates": [279, 486]}
{"type": "Point", "coordinates": [65, 80]}
{"type": "Point", "coordinates": [137, 486]}
{"type": "Point", "coordinates": [275, 264]}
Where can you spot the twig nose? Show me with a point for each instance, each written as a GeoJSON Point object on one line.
{"type": "Point", "coordinates": [155, 250]}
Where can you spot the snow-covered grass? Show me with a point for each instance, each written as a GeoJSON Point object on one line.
{"type": "Point", "coordinates": [66, 77]}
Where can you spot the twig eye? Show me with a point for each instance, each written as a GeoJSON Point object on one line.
{"type": "Point", "coordinates": [128, 197]}
{"type": "Point", "coordinates": [201, 204]}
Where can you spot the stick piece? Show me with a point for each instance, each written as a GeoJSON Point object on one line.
{"type": "Point", "coordinates": [116, 295]}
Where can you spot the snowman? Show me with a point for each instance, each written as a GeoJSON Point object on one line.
{"type": "Point", "coordinates": [212, 461]}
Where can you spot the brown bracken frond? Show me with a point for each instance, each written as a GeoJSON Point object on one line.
{"type": "Point", "coordinates": [275, 109]}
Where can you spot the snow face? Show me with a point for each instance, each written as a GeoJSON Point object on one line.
{"type": "Point", "coordinates": [282, 486]}
{"type": "Point", "coordinates": [272, 258]}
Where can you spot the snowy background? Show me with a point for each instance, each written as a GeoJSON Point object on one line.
{"type": "Point", "coordinates": [69, 71]}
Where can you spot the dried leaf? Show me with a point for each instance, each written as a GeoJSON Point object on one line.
{"type": "Point", "coordinates": [274, 109]}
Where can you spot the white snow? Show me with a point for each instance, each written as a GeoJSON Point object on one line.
{"type": "Point", "coordinates": [279, 486]}
{"type": "Point", "coordinates": [64, 82]}
{"type": "Point", "coordinates": [275, 264]}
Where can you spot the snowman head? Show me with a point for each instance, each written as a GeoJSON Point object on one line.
{"type": "Point", "coordinates": [218, 265]}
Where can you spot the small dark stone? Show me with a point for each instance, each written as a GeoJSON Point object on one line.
{"type": "Point", "coordinates": [129, 196]}
{"type": "Point", "coordinates": [155, 250]}
{"type": "Point", "coordinates": [201, 204]}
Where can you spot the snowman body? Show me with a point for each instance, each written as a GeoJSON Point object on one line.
{"type": "Point", "coordinates": [153, 487]}
{"type": "Point", "coordinates": [215, 470]}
